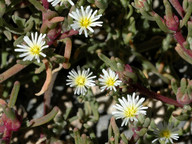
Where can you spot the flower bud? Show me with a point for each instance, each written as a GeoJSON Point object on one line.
{"type": "Point", "coordinates": [141, 4]}
{"type": "Point", "coordinates": [184, 92]}
{"type": "Point", "coordinates": [172, 23]}
{"type": "Point", "coordinates": [183, 98]}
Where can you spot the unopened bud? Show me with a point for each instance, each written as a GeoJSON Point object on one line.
{"type": "Point", "coordinates": [185, 98]}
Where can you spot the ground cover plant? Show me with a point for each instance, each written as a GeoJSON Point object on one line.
{"type": "Point", "coordinates": [95, 71]}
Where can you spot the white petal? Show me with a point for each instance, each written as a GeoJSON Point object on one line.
{"type": "Point", "coordinates": [70, 1]}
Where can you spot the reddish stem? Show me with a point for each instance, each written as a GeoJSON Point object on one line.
{"type": "Point", "coordinates": [54, 36]}
{"type": "Point", "coordinates": [7, 136]}
{"type": "Point", "coordinates": [154, 95]}
{"type": "Point", "coordinates": [178, 7]}
{"type": "Point", "coordinates": [49, 93]}
{"type": "Point", "coordinates": [180, 39]}
{"type": "Point", "coordinates": [11, 71]}
{"type": "Point", "coordinates": [67, 53]}
{"type": "Point", "coordinates": [68, 34]}
{"type": "Point", "coordinates": [45, 4]}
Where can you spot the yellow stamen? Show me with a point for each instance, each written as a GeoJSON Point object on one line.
{"type": "Point", "coordinates": [165, 133]}
{"type": "Point", "coordinates": [85, 22]}
{"type": "Point", "coordinates": [80, 81]}
{"type": "Point", "coordinates": [35, 50]}
{"type": "Point", "coordinates": [131, 111]}
{"type": "Point", "coordinates": [110, 82]}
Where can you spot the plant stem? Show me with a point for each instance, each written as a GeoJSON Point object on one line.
{"type": "Point", "coordinates": [178, 7]}
{"type": "Point", "coordinates": [45, 4]}
{"type": "Point", "coordinates": [10, 72]}
{"type": "Point", "coordinates": [180, 39]}
{"type": "Point", "coordinates": [154, 95]}
{"type": "Point", "coordinates": [67, 53]}
{"type": "Point", "coordinates": [48, 94]}
{"type": "Point", "coordinates": [68, 34]}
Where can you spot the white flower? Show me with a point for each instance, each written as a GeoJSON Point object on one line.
{"type": "Point", "coordinates": [34, 47]}
{"type": "Point", "coordinates": [84, 19]}
{"type": "Point", "coordinates": [109, 80]}
{"type": "Point", "coordinates": [129, 109]}
{"type": "Point", "coordinates": [166, 133]}
{"type": "Point", "coordinates": [81, 80]}
{"type": "Point", "coordinates": [55, 2]}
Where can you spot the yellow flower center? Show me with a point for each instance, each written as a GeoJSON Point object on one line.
{"type": "Point", "coordinates": [165, 133]}
{"type": "Point", "coordinates": [80, 81]}
{"type": "Point", "coordinates": [35, 50]}
{"type": "Point", "coordinates": [110, 82]}
{"type": "Point", "coordinates": [85, 22]}
{"type": "Point", "coordinates": [130, 111]}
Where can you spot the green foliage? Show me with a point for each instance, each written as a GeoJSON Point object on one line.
{"type": "Point", "coordinates": [147, 44]}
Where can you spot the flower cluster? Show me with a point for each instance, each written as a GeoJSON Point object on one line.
{"type": "Point", "coordinates": [128, 109]}
{"type": "Point", "coordinates": [82, 80]}
{"type": "Point", "coordinates": [83, 20]}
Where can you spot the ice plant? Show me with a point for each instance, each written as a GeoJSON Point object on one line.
{"type": "Point", "coordinates": [84, 20]}
{"type": "Point", "coordinates": [81, 80]}
{"type": "Point", "coordinates": [109, 80]}
{"type": "Point", "coordinates": [34, 47]}
{"type": "Point", "coordinates": [55, 2]}
{"type": "Point", "coordinates": [166, 133]}
{"type": "Point", "coordinates": [129, 108]}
